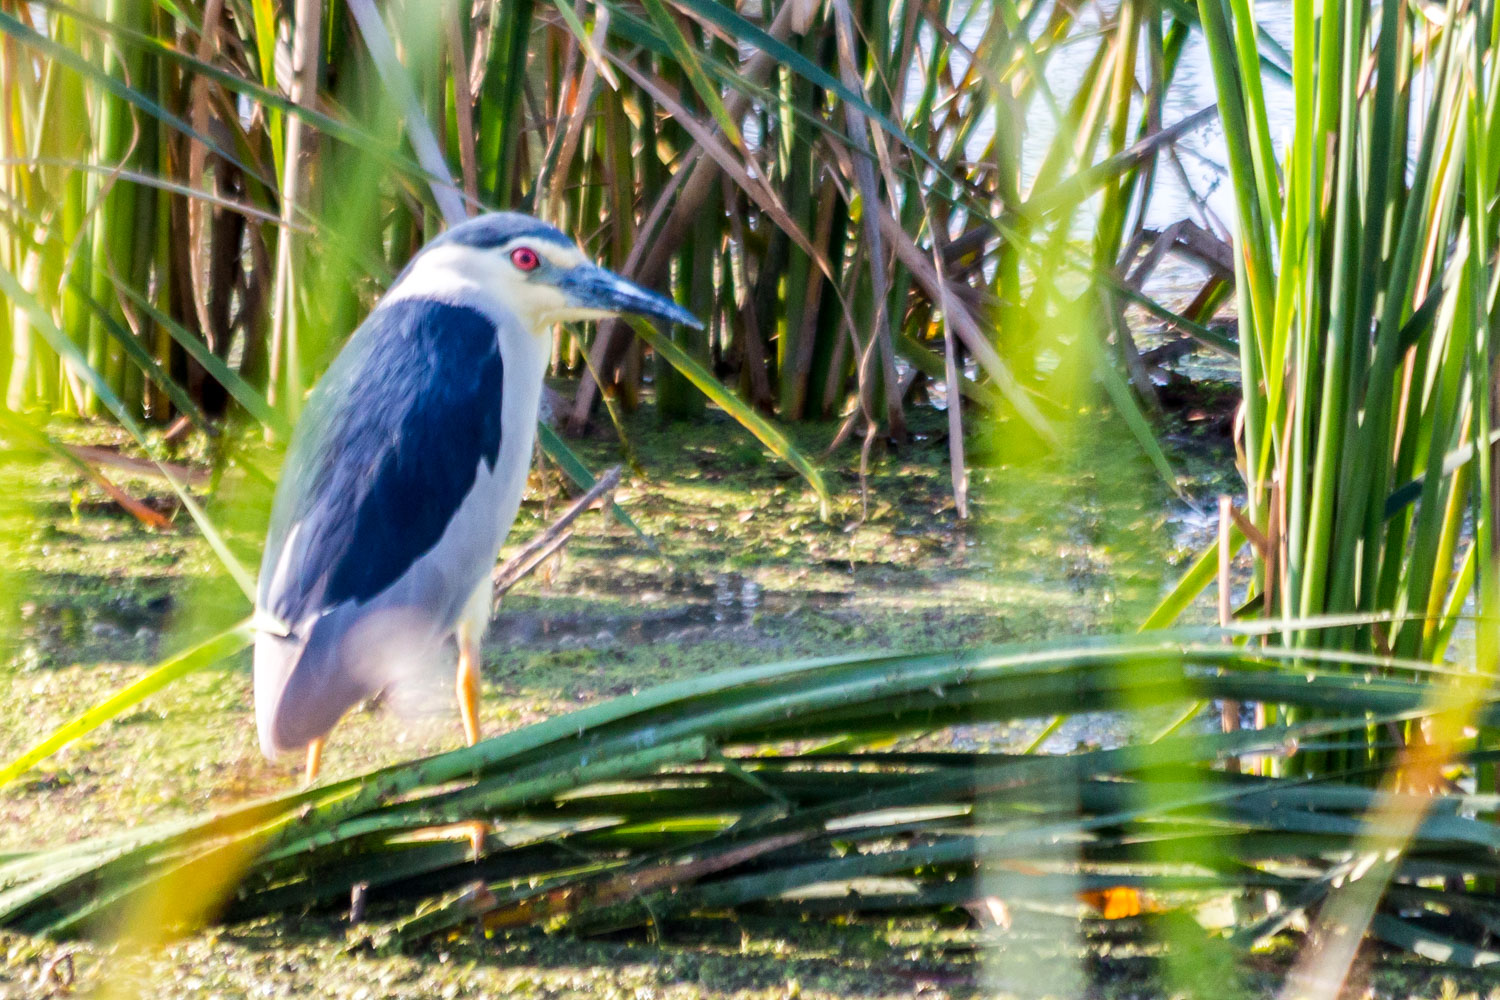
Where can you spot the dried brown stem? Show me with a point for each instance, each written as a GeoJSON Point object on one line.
{"type": "Point", "coordinates": [535, 552]}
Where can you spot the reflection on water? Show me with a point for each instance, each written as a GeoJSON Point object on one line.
{"type": "Point", "coordinates": [58, 633]}
{"type": "Point", "coordinates": [695, 611]}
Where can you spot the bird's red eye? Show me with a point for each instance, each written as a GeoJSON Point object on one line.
{"type": "Point", "coordinates": [525, 258]}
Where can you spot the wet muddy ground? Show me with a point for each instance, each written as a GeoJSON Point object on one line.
{"type": "Point", "coordinates": [739, 570]}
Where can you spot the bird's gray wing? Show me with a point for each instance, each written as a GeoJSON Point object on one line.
{"type": "Point", "coordinates": [391, 443]}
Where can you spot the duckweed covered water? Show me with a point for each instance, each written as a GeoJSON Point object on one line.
{"type": "Point", "coordinates": [743, 572]}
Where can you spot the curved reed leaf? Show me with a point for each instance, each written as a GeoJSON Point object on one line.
{"type": "Point", "coordinates": [66, 348]}
{"type": "Point", "coordinates": [628, 808]}
{"type": "Point", "coordinates": [145, 361]}
{"type": "Point", "coordinates": [572, 466]}
{"type": "Point", "coordinates": [775, 441]}
{"type": "Point", "coordinates": [688, 60]}
{"type": "Point", "coordinates": [245, 394]}
{"type": "Point", "coordinates": [206, 653]}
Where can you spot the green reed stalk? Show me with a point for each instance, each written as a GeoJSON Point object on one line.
{"type": "Point", "coordinates": [1365, 367]}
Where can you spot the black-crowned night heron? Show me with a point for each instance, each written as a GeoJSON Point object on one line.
{"type": "Point", "coordinates": [406, 470]}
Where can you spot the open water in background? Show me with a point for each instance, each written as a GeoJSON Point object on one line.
{"type": "Point", "coordinates": [1202, 152]}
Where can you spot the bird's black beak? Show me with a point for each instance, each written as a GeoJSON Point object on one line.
{"type": "Point", "coordinates": [589, 286]}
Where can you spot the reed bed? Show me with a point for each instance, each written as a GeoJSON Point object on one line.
{"type": "Point", "coordinates": [201, 199]}
{"type": "Point", "coordinates": [1365, 298]}
{"type": "Point", "coordinates": [204, 197]}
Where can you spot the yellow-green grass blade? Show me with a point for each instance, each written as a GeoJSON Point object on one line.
{"type": "Point", "coordinates": [573, 467]}
{"type": "Point", "coordinates": [770, 436]}
{"type": "Point", "coordinates": [1192, 583]}
{"type": "Point", "coordinates": [204, 654]}
{"type": "Point", "coordinates": [42, 321]}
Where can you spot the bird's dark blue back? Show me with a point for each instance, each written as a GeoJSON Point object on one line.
{"type": "Point", "coordinates": [385, 452]}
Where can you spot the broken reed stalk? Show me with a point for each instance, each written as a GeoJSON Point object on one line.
{"type": "Point", "coordinates": [535, 552]}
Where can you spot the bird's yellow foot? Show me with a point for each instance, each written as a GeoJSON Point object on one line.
{"type": "Point", "coordinates": [474, 830]}
{"type": "Point", "coordinates": [314, 761]}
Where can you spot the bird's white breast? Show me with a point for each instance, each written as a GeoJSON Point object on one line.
{"type": "Point", "coordinates": [524, 356]}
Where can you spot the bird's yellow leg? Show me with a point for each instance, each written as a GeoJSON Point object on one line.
{"type": "Point", "coordinates": [314, 760]}
{"type": "Point", "coordinates": [468, 682]}
{"type": "Point", "coordinates": [468, 707]}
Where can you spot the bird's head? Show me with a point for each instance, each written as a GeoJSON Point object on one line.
{"type": "Point", "coordinates": [532, 270]}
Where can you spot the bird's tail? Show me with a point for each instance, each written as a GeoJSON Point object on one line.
{"type": "Point", "coordinates": [298, 697]}
{"type": "Point", "coordinates": [276, 657]}
{"type": "Point", "coordinates": [306, 681]}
